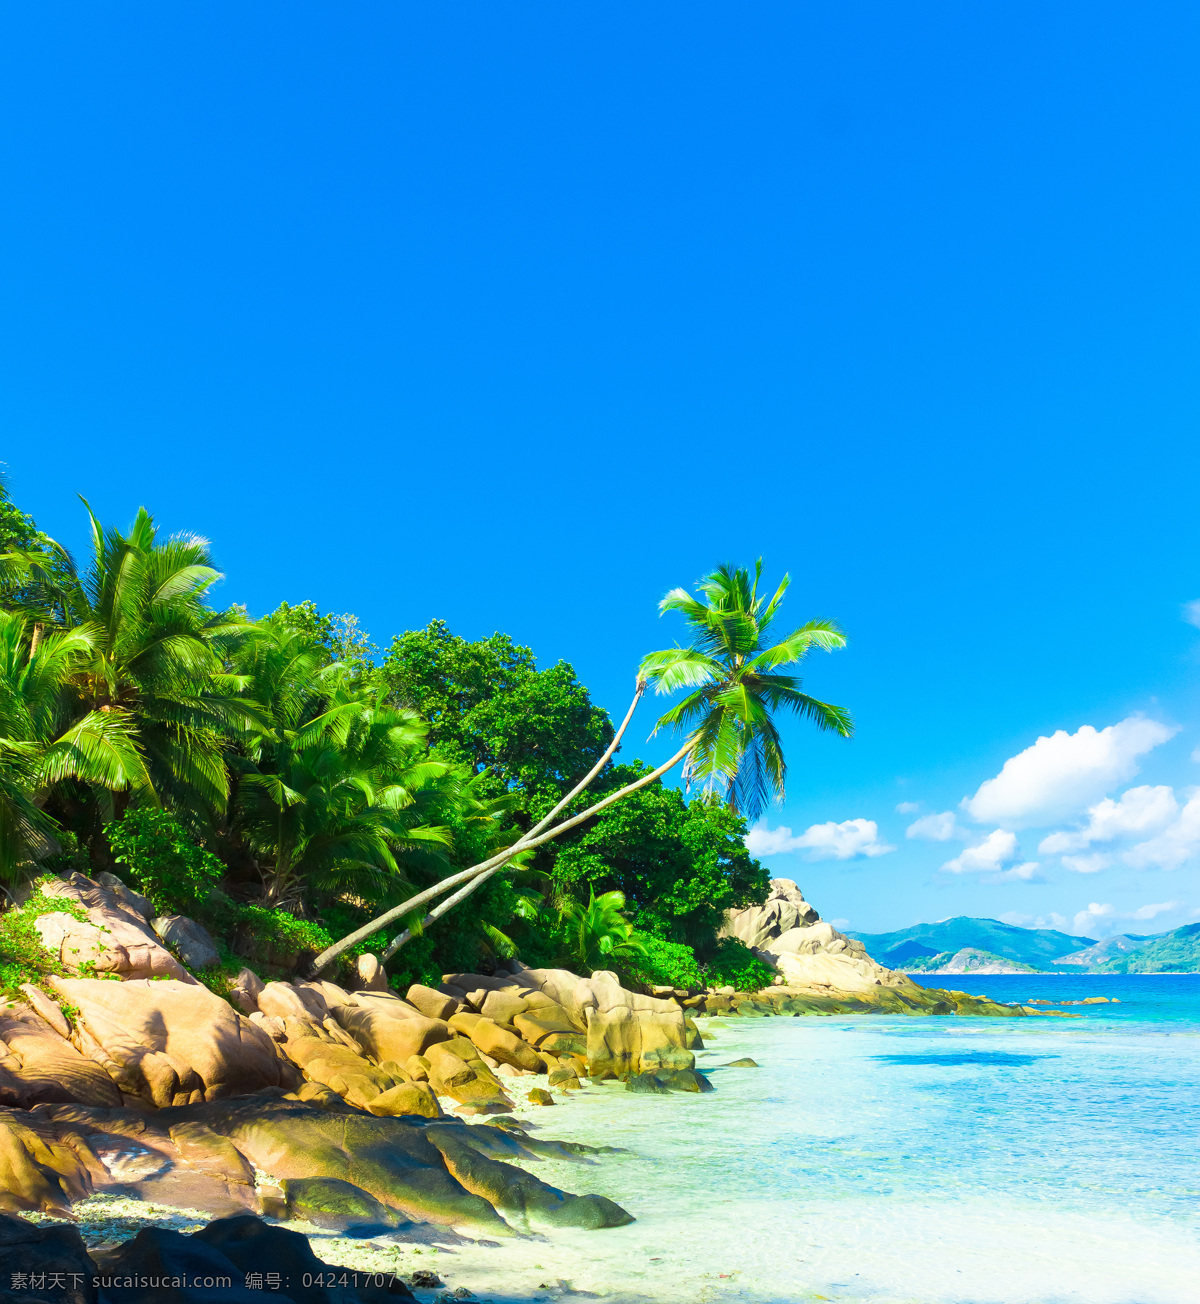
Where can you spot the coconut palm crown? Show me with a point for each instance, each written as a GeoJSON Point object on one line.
{"type": "Point", "coordinates": [733, 670]}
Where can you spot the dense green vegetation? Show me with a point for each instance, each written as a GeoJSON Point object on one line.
{"type": "Point", "coordinates": [283, 782]}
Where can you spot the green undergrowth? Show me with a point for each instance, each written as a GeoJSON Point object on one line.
{"type": "Point", "coordinates": [675, 964]}
{"type": "Point", "coordinates": [735, 965]}
{"type": "Point", "coordinates": [270, 942]}
{"type": "Point", "coordinates": [23, 958]}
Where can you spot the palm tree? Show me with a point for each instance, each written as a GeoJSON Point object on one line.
{"type": "Point", "coordinates": [736, 688]}
{"type": "Point", "coordinates": [599, 932]}
{"type": "Point", "coordinates": [41, 746]}
{"type": "Point", "coordinates": [732, 737]}
{"type": "Point", "coordinates": [155, 653]}
{"type": "Point", "coordinates": [333, 785]}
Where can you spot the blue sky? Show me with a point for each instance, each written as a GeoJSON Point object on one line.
{"type": "Point", "coordinates": [520, 317]}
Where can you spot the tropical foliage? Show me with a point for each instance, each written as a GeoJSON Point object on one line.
{"type": "Point", "coordinates": [284, 782]}
{"type": "Point", "coordinates": [735, 686]}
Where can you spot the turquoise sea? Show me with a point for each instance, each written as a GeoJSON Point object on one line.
{"type": "Point", "coordinates": [897, 1161]}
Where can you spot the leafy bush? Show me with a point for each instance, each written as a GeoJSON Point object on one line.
{"type": "Point", "coordinates": [667, 964]}
{"type": "Point", "coordinates": [735, 965]}
{"type": "Point", "coordinates": [23, 958]}
{"type": "Point", "coordinates": [164, 862]}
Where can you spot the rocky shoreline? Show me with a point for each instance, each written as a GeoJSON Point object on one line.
{"type": "Point", "coordinates": [355, 1111]}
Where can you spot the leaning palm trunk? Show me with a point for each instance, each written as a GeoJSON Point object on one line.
{"type": "Point", "coordinates": [529, 842]}
{"type": "Point", "coordinates": [479, 873]}
{"type": "Point", "coordinates": [731, 737]}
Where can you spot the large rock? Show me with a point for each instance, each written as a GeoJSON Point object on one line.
{"type": "Point", "coordinates": [39, 1066]}
{"type": "Point", "coordinates": [810, 955]}
{"type": "Point", "coordinates": [245, 989]}
{"type": "Point", "coordinates": [522, 1198]}
{"type": "Point", "coordinates": [161, 1266]}
{"type": "Point", "coordinates": [335, 1066]}
{"type": "Point", "coordinates": [134, 901]}
{"type": "Point", "coordinates": [323, 1155]}
{"type": "Point", "coordinates": [171, 1043]}
{"type": "Point", "coordinates": [623, 1041]}
{"type": "Point", "coordinates": [456, 1070]}
{"type": "Point", "coordinates": [116, 939]}
{"type": "Point", "coordinates": [252, 1258]}
{"type": "Point", "coordinates": [190, 941]}
{"type": "Point", "coordinates": [434, 1005]}
{"type": "Point", "coordinates": [785, 908]}
{"type": "Point", "coordinates": [40, 1169]}
{"type": "Point", "coordinates": [29, 1255]}
{"type": "Point", "coordinates": [388, 1029]}
{"type": "Point", "coordinates": [503, 1007]}
{"type": "Point", "coordinates": [415, 1098]}
{"type": "Point", "coordinates": [370, 973]}
{"type": "Point", "coordinates": [283, 1001]}
{"type": "Point", "coordinates": [502, 1045]}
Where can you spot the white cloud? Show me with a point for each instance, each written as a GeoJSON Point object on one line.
{"type": "Point", "coordinates": [1196, 754]}
{"type": "Point", "coordinates": [828, 841]}
{"type": "Point", "coordinates": [1059, 775]}
{"type": "Point", "coordinates": [1149, 912]}
{"type": "Point", "coordinates": [1107, 916]}
{"type": "Point", "coordinates": [909, 807]}
{"type": "Point", "coordinates": [1086, 920]}
{"type": "Point", "coordinates": [1029, 872]}
{"type": "Point", "coordinates": [1191, 613]}
{"type": "Point", "coordinates": [1092, 864]}
{"type": "Point", "coordinates": [1140, 811]}
{"type": "Point", "coordinates": [936, 828]}
{"type": "Point", "coordinates": [989, 857]}
{"type": "Point", "coordinates": [1174, 846]}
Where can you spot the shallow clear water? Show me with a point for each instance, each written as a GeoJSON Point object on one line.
{"type": "Point", "coordinates": [896, 1160]}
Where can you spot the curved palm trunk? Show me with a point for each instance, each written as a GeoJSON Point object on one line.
{"type": "Point", "coordinates": [478, 873]}
{"type": "Point", "coordinates": [484, 874]}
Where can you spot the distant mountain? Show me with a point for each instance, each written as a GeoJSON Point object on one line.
{"type": "Point", "coordinates": [1174, 952]}
{"type": "Point", "coordinates": [1037, 948]}
{"type": "Point", "coordinates": [969, 960]}
{"type": "Point", "coordinates": [1112, 948]}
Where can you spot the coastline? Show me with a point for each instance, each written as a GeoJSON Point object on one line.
{"type": "Point", "coordinates": [852, 1166]}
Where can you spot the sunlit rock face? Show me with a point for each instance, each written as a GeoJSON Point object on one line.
{"type": "Point", "coordinates": [789, 934]}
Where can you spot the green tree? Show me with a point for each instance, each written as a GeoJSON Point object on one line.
{"type": "Point", "coordinates": [730, 733]}
{"type": "Point", "coordinates": [164, 862]}
{"type": "Point", "coordinates": [599, 933]}
{"type": "Point", "coordinates": [155, 658]}
{"type": "Point", "coordinates": [535, 732]}
{"type": "Point", "coordinates": [333, 785]}
{"type": "Point", "coordinates": [44, 743]}
{"type": "Point", "coordinates": [737, 689]}
{"type": "Point", "coordinates": [678, 864]}
{"type": "Point", "coordinates": [18, 532]}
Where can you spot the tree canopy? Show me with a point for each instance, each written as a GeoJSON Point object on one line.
{"type": "Point", "coordinates": [296, 782]}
